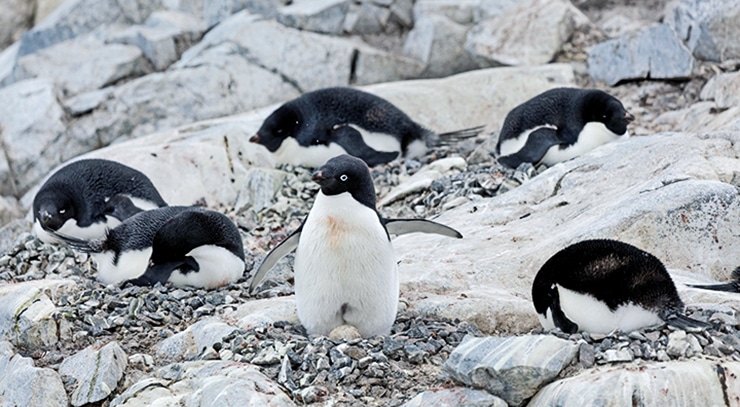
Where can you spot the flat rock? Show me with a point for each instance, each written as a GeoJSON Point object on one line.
{"type": "Point", "coordinates": [709, 28]}
{"type": "Point", "coordinates": [689, 383]}
{"type": "Point", "coordinates": [456, 396]}
{"type": "Point", "coordinates": [724, 89]}
{"type": "Point", "coordinates": [263, 312]}
{"type": "Point", "coordinates": [512, 368]}
{"type": "Point", "coordinates": [323, 16]}
{"type": "Point", "coordinates": [23, 384]}
{"type": "Point", "coordinates": [531, 34]}
{"type": "Point", "coordinates": [437, 42]}
{"type": "Point", "coordinates": [654, 53]}
{"type": "Point", "coordinates": [96, 372]}
{"type": "Point", "coordinates": [461, 12]}
{"type": "Point", "coordinates": [191, 342]}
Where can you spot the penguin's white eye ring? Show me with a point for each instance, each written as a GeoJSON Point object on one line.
{"type": "Point", "coordinates": [61, 211]}
{"type": "Point", "coordinates": [343, 177]}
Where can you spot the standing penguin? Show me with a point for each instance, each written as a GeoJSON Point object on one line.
{"type": "Point", "coordinates": [345, 267]}
{"type": "Point", "coordinates": [182, 245]}
{"type": "Point", "coordinates": [560, 124]}
{"type": "Point", "coordinates": [598, 286]}
{"type": "Point", "coordinates": [329, 122]}
{"type": "Point", "coordinates": [74, 201]}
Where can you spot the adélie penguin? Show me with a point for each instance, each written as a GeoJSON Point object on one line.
{"type": "Point", "coordinates": [183, 245]}
{"type": "Point", "coordinates": [329, 122]}
{"type": "Point", "coordinates": [560, 124]}
{"type": "Point", "coordinates": [74, 201]}
{"type": "Point", "coordinates": [733, 286]}
{"type": "Point", "coordinates": [599, 286]}
{"type": "Point", "coordinates": [345, 267]}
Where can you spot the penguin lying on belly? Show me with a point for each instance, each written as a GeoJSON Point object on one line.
{"type": "Point", "coordinates": [345, 268]}
{"type": "Point", "coordinates": [74, 200]}
{"type": "Point", "coordinates": [733, 286]}
{"type": "Point", "coordinates": [182, 245]}
{"type": "Point", "coordinates": [560, 124]}
{"type": "Point", "coordinates": [325, 123]}
{"type": "Point", "coordinates": [599, 286]}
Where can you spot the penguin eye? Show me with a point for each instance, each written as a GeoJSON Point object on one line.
{"type": "Point", "coordinates": [316, 142]}
{"type": "Point", "coordinates": [343, 177]}
{"type": "Point", "coordinates": [62, 211]}
{"type": "Point", "coordinates": [279, 131]}
{"type": "Point", "coordinates": [336, 126]}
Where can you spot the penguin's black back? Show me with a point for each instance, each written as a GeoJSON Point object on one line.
{"type": "Point", "coordinates": [569, 109]}
{"type": "Point", "coordinates": [324, 108]}
{"type": "Point", "coordinates": [138, 231]}
{"type": "Point", "coordinates": [613, 272]}
{"type": "Point", "coordinates": [88, 183]}
{"type": "Point", "coordinates": [190, 229]}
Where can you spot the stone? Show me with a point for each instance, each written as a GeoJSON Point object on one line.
{"type": "Point", "coordinates": [652, 53]}
{"type": "Point", "coordinates": [512, 368]}
{"type": "Point", "coordinates": [216, 11]}
{"type": "Point", "coordinates": [16, 18]}
{"type": "Point", "coordinates": [701, 116]}
{"type": "Point", "coordinates": [77, 17]}
{"type": "Point", "coordinates": [264, 312]}
{"type": "Point", "coordinates": [7, 62]}
{"type": "Point", "coordinates": [197, 338]}
{"type": "Point", "coordinates": [461, 12]}
{"type": "Point", "coordinates": [492, 8]}
{"type": "Point", "coordinates": [260, 188]}
{"type": "Point", "coordinates": [95, 65]}
{"type": "Point", "coordinates": [529, 35]}
{"type": "Point", "coordinates": [27, 312]}
{"type": "Point", "coordinates": [376, 66]}
{"type": "Point", "coordinates": [31, 120]}
{"type": "Point", "coordinates": [96, 372]}
{"type": "Point", "coordinates": [23, 384]}
{"type": "Point", "coordinates": [684, 187]}
{"type": "Point", "coordinates": [709, 28]}
{"type": "Point", "coordinates": [724, 89]}
{"type": "Point", "coordinates": [456, 396]}
{"type": "Point", "coordinates": [10, 209]}
{"type": "Point", "coordinates": [687, 383]}
{"type": "Point", "coordinates": [366, 18]}
{"type": "Point", "coordinates": [157, 44]}
{"type": "Point", "coordinates": [44, 8]}
{"type": "Point", "coordinates": [438, 42]}
{"type": "Point", "coordinates": [323, 16]}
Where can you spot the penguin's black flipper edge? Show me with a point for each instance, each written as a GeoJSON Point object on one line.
{"type": "Point", "coordinates": [403, 226]}
{"type": "Point", "coordinates": [726, 287]}
{"type": "Point", "coordinates": [81, 245]}
{"type": "Point", "coordinates": [352, 142]}
{"type": "Point", "coordinates": [459, 135]}
{"type": "Point", "coordinates": [280, 251]}
{"type": "Point", "coordinates": [538, 142]}
{"type": "Point", "coordinates": [683, 322]}
{"type": "Point", "coordinates": [558, 316]}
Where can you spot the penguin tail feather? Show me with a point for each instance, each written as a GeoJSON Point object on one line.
{"type": "Point", "coordinates": [683, 322]}
{"type": "Point", "coordinates": [81, 245]}
{"type": "Point", "coordinates": [459, 135]}
{"type": "Point", "coordinates": [732, 287]}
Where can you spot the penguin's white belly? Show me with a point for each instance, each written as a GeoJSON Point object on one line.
{"type": "Point", "coordinates": [217, 267]}
{"type": "Point", "coordinates": [594, 316]}
{"type": "Point", "coordinates": [290, 152]}
{"type": "Point", "coordinates": [345, 269]}
{"type": "Point", "coordinates": [70, 228]}
{"type": "Point", "coordinates": [513, 145]}
{"type": "Point", "coordinates": [593, 135]}
{"type": "Point", "coordinates": [131, 264]}
{"type": "Point", "coordinates": [381, 142]}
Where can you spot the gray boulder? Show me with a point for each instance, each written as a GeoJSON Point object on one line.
{"type": "Point", "coordinates": [689, 383]}
{"type": "Point", "coordinates": [95, 371]}
{"type": "Point", "coordinates": [531, 34]}
{"type": "Point", "coordinates": [324, 16]}
{"type": "Point", "coordinates": [22, 384]}
{"type": "Point", "coordinates": [216, 11]}
{"type": "Point", "coordinates": [724, 89]}
{"type": "Point", "coordinates": [438, 42]}
{"type": "Point", "coordinates": [461, 12]}
{"type": "Point", "coordinates": [76, 17]}
{"type": "Point", "coordinates": [456, 396]}
{"type": "Point", "coordinates": [710, 28]}
{"type": "Point", "coordinates": [512, 368]}
{"type": "Point", "coordinates": [16, 17]}
{"type": "Point", "coordinates": [653, 53]}
{"type": "Point", "coordinates": [194, 340]}
{"type": "Point", "coordinates": [7, 62]}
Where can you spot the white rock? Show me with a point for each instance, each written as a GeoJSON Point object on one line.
{"type": "Point", "coordinates": [456, 396]}
{"type": "Point", "coordinates": [22, 384]}
{"type": "Point", "coordinates": [96, 372]}
{"type": "Point", "coordinates": [260, 187]}
{"type": "Point", "coordinates": [322, 16]}
{"type": "Point", "coordinates": [458, 11]}
{"type": "Point", "coordinates": [724, 89]}
{"type": "Point", "coordinates": [263, 312]}
{"type": "Point", "coordinates": [438, 42]}
{"type": "Point", "coordinates": [709, 28]}
{"type": "Point", "coordinates": [194, 340]}
{"type": "Point", "coordinates": [16, 18]}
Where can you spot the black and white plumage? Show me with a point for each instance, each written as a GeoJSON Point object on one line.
{"type": "Point", "coordinates": [345, 266]}
{"type": "Point", "coordinates": [560, 124]}
{"type": "Point", "coordinates": [599, 286]}
{"type": "Point", "coordinates": [182, 245]}
{"type": "Point", "coordinates": [325, 123]}
{"type": "Point", "coordinates": [75, 201]}
{"type": "Point", "coordinates": [733, 286]}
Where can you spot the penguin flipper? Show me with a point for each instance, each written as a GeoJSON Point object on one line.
{"type": "Point", "coordinates": [160, 273]}
{"type": "Point", "coordinates": [450, 137]}
{"type": "Point", "coordinates": [683, 322]}
{"type": "Point", "coordinates": [402, 226]}
{"type": "Point", "coordinates": [538, 142]}
{"type": "Point", "coordinates": [733, 287]}
{"type": "Point", "coordinates": [81, 245]}
{"type": "Point", "coordinates": [352, 142]}
{"type": "Point", "coordinates": [558, 316]}
{"type": "Point", "coordinates": [285, 247]}
{"type": "Point", "coordinates": [121, 207]}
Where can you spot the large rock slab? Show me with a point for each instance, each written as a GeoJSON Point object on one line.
{"type": "Point", "coordinates": [724, 89]}
{"type": "Point", "coordinates": [438, 42]}
{"type": "Point", "coordinates": [512, 368]}
{"type": "Point", "coordinates": [640, 191]}
{"type": "Point", "coordinates": [17, 17]}
{"type": "Point", "coordinates": [710, 28]}
{"type": "Point", "coordinates": [23, 384]}
{"type": "Point", "coordinates": [654, 53]}
{"type": "Point", "coordinates": [701, 117]}
{"type": "Point", "coordinates": [194, 340]}
{"type": "Point", "coordinates": [96, 372]}
{"type": "Point", "coordinates": [324, 16]}
{"type": "Point", "coordinates": [689, 383]}
{"type": "Point", "coordinates": [457, 396]}
{"type": "Point", "coordinates": [531, 34]}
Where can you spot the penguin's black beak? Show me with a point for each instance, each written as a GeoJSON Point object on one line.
{"type": "Point", "coordinates": [255, 138]}
{"type": "Point", "coordinates": [629, 117]}
{"type": "Point", "coordinates": [317, 177]}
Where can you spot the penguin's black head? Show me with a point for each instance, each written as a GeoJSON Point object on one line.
{"type": "Point", "coordinates": [346, 173]}
{"type": "Point", "coordinates": [605, 108]}
{"type": "Point", "coordinates": [281, 124]}
{"type": "Point", "coordinates": [53, 206]}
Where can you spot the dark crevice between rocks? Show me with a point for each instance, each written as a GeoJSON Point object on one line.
{"type": "Point", "coordinates": [722, 376]}
{"type": "Point", "coordinates": [353, 66]}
